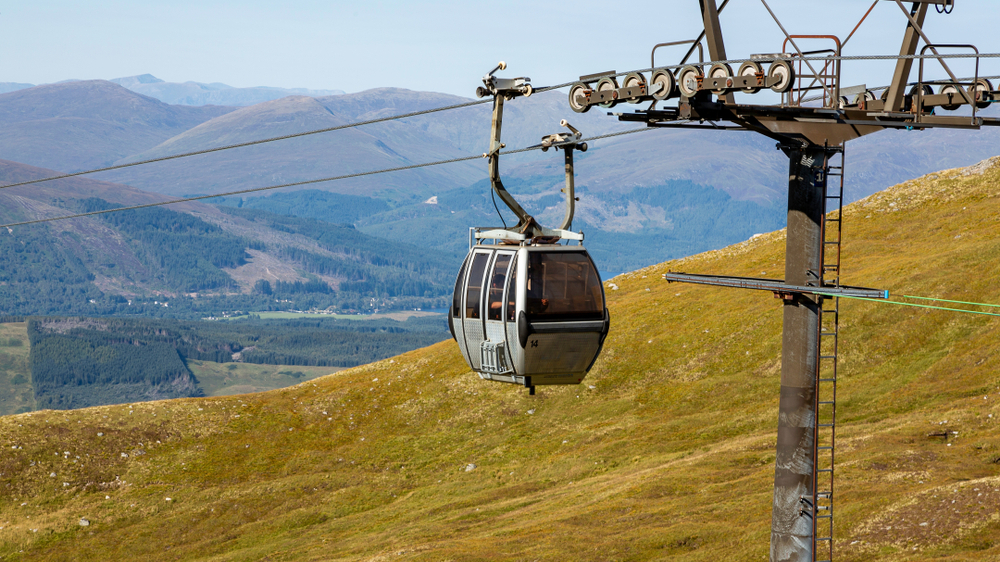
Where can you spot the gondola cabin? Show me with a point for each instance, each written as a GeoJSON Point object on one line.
{"type": "Point", "coordinates": [529, 315]}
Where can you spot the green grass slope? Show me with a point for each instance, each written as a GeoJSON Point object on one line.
{"type": "Point", "coordinates": [665, 451]}
{"type": "Point", "coordinates": [16, 395]}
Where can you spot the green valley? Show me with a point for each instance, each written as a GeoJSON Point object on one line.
{"type": "Point", "coordinates": [76, 362]}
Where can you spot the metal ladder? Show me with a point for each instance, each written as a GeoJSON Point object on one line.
{"type": "Point", "coordinates": [826, 377]}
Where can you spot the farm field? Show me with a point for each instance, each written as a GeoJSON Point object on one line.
{"type": "Point", "coordinates": [399, 315]}
{"type": "Point", "coordinates": [221, 379]}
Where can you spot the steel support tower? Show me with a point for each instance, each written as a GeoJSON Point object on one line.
{"type": "Point", "coordinates": [793, 516]}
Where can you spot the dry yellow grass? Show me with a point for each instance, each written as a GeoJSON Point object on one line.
{"type": "Point", "coordinates": [665, 451]}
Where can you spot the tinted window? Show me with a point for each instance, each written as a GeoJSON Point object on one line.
{"type": "Point", "coordinates": [497, 282]}
{"type": "Point", "coordinates": [512, 293]}
{"type": "Point", "coordinates": [474, 291]}
{"type": "Point", "coordinates": [563, 286]}
{"type": "Point", "coordinates": [456, 305]}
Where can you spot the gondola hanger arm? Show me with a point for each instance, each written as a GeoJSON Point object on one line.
{"type": "Point", "coordinates": [503, 89]}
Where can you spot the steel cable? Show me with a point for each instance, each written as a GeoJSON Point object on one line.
{"type": "Point", "coordinates": [765, 57]}
{"type": "Point", "coordinates": [448, 108]}
{"type": "Point", "coordinates": [444, 108]}
{"type": "Point", "coordinates": [876, 88]}
{"type": "Point", "coordinates": [249, 143]}
{"type": "Point", "coordinates": [927, 306]}
{"type": "Point", "coordinates": [951, 301]}
{"type": "Point", "coordinates": [306, 182]}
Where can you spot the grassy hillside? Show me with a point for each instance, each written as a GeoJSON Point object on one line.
{"type": "Point", "coordinates": [16, 394]}
{"type": "Point", "coordinates": [665, 451]}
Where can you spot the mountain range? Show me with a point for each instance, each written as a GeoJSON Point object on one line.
{"type": "Point", "coordinates": [195, 93]}
{"type": "Point", "coordinates": [644, 197]}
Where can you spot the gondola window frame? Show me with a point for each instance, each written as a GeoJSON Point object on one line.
{"type": "Point", "coordinates": [475, 312]}
{"type": "Point", "coordinates": [458, 294]}
{"type": "Point", "coordinates": [498, 292]}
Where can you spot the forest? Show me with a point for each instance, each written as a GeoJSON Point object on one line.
{"type": "Point", "coordinates": [371, 267]}
{"type": "Point", "coordinates": [185, 252]}
{"type": "Point", "coordinates": [46, 270]}
{"type": "Point", "coordinates": [78, 361]}
{"type": "Point", "coordinates": [331, 207]}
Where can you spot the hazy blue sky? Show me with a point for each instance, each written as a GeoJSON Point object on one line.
{"type": "Point", "coordinates": [442, 45]}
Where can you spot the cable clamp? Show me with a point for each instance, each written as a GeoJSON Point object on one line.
{"type": "Point", "coordinates": [510, 88]}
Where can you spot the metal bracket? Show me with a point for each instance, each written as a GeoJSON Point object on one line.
{"type": "Point", "coordinates": [777, 286]}
{"type": "Point", "coordinates": [564, 140]}
{"type": "Point", "coordinates": [568, 142]}
{"type": "Point", "coordinates": [511, 235]}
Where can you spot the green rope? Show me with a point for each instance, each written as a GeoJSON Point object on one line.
{"type": "Point", "coordinates": [956, 302]}
{"type": "Point", "coordinates": [910, 304]}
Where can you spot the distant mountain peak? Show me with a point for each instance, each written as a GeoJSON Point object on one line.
{"type": "Point", "coordinates": [128, 81]}
{"type": "Point", "coordinates": [215, 93]}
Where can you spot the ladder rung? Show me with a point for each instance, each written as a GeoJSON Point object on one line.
{"type": "Point", "coordinates": [827, 403]}
{"type": "Point", "coordinates": [827, 356]}
{"type": "Point", "coordinates": [818, 539]}
{"type": "Point", "coordinates": [825, 448]}
{"type": "Point", "coordinates": [824, 470]}
{"type": "Point", "coordinates": [826, 425]}
{"type": "Point", "coordinates": [825, 516]}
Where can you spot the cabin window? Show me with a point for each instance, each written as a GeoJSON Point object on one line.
{"type": "Point", "coordinates": [473, 293]}
{"type": "Point", "coordinates": [497, 283]}
{"type": "Point", "coordinates": [563, 286]}
{"type": "Point", "coordinates": [512, 293]}
{"type": "Point", "coordinates": [456, 304]}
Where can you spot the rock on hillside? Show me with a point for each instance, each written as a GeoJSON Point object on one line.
{"type": "Point", "coordinates": [78, 125]}
{"type": "Point", "coordinates": [665, 452]}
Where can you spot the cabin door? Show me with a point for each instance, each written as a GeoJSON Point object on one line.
{"type": "Point", "coordinates": [495, 356]}
{"type": "Point", "coordinates": [472, 313]}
